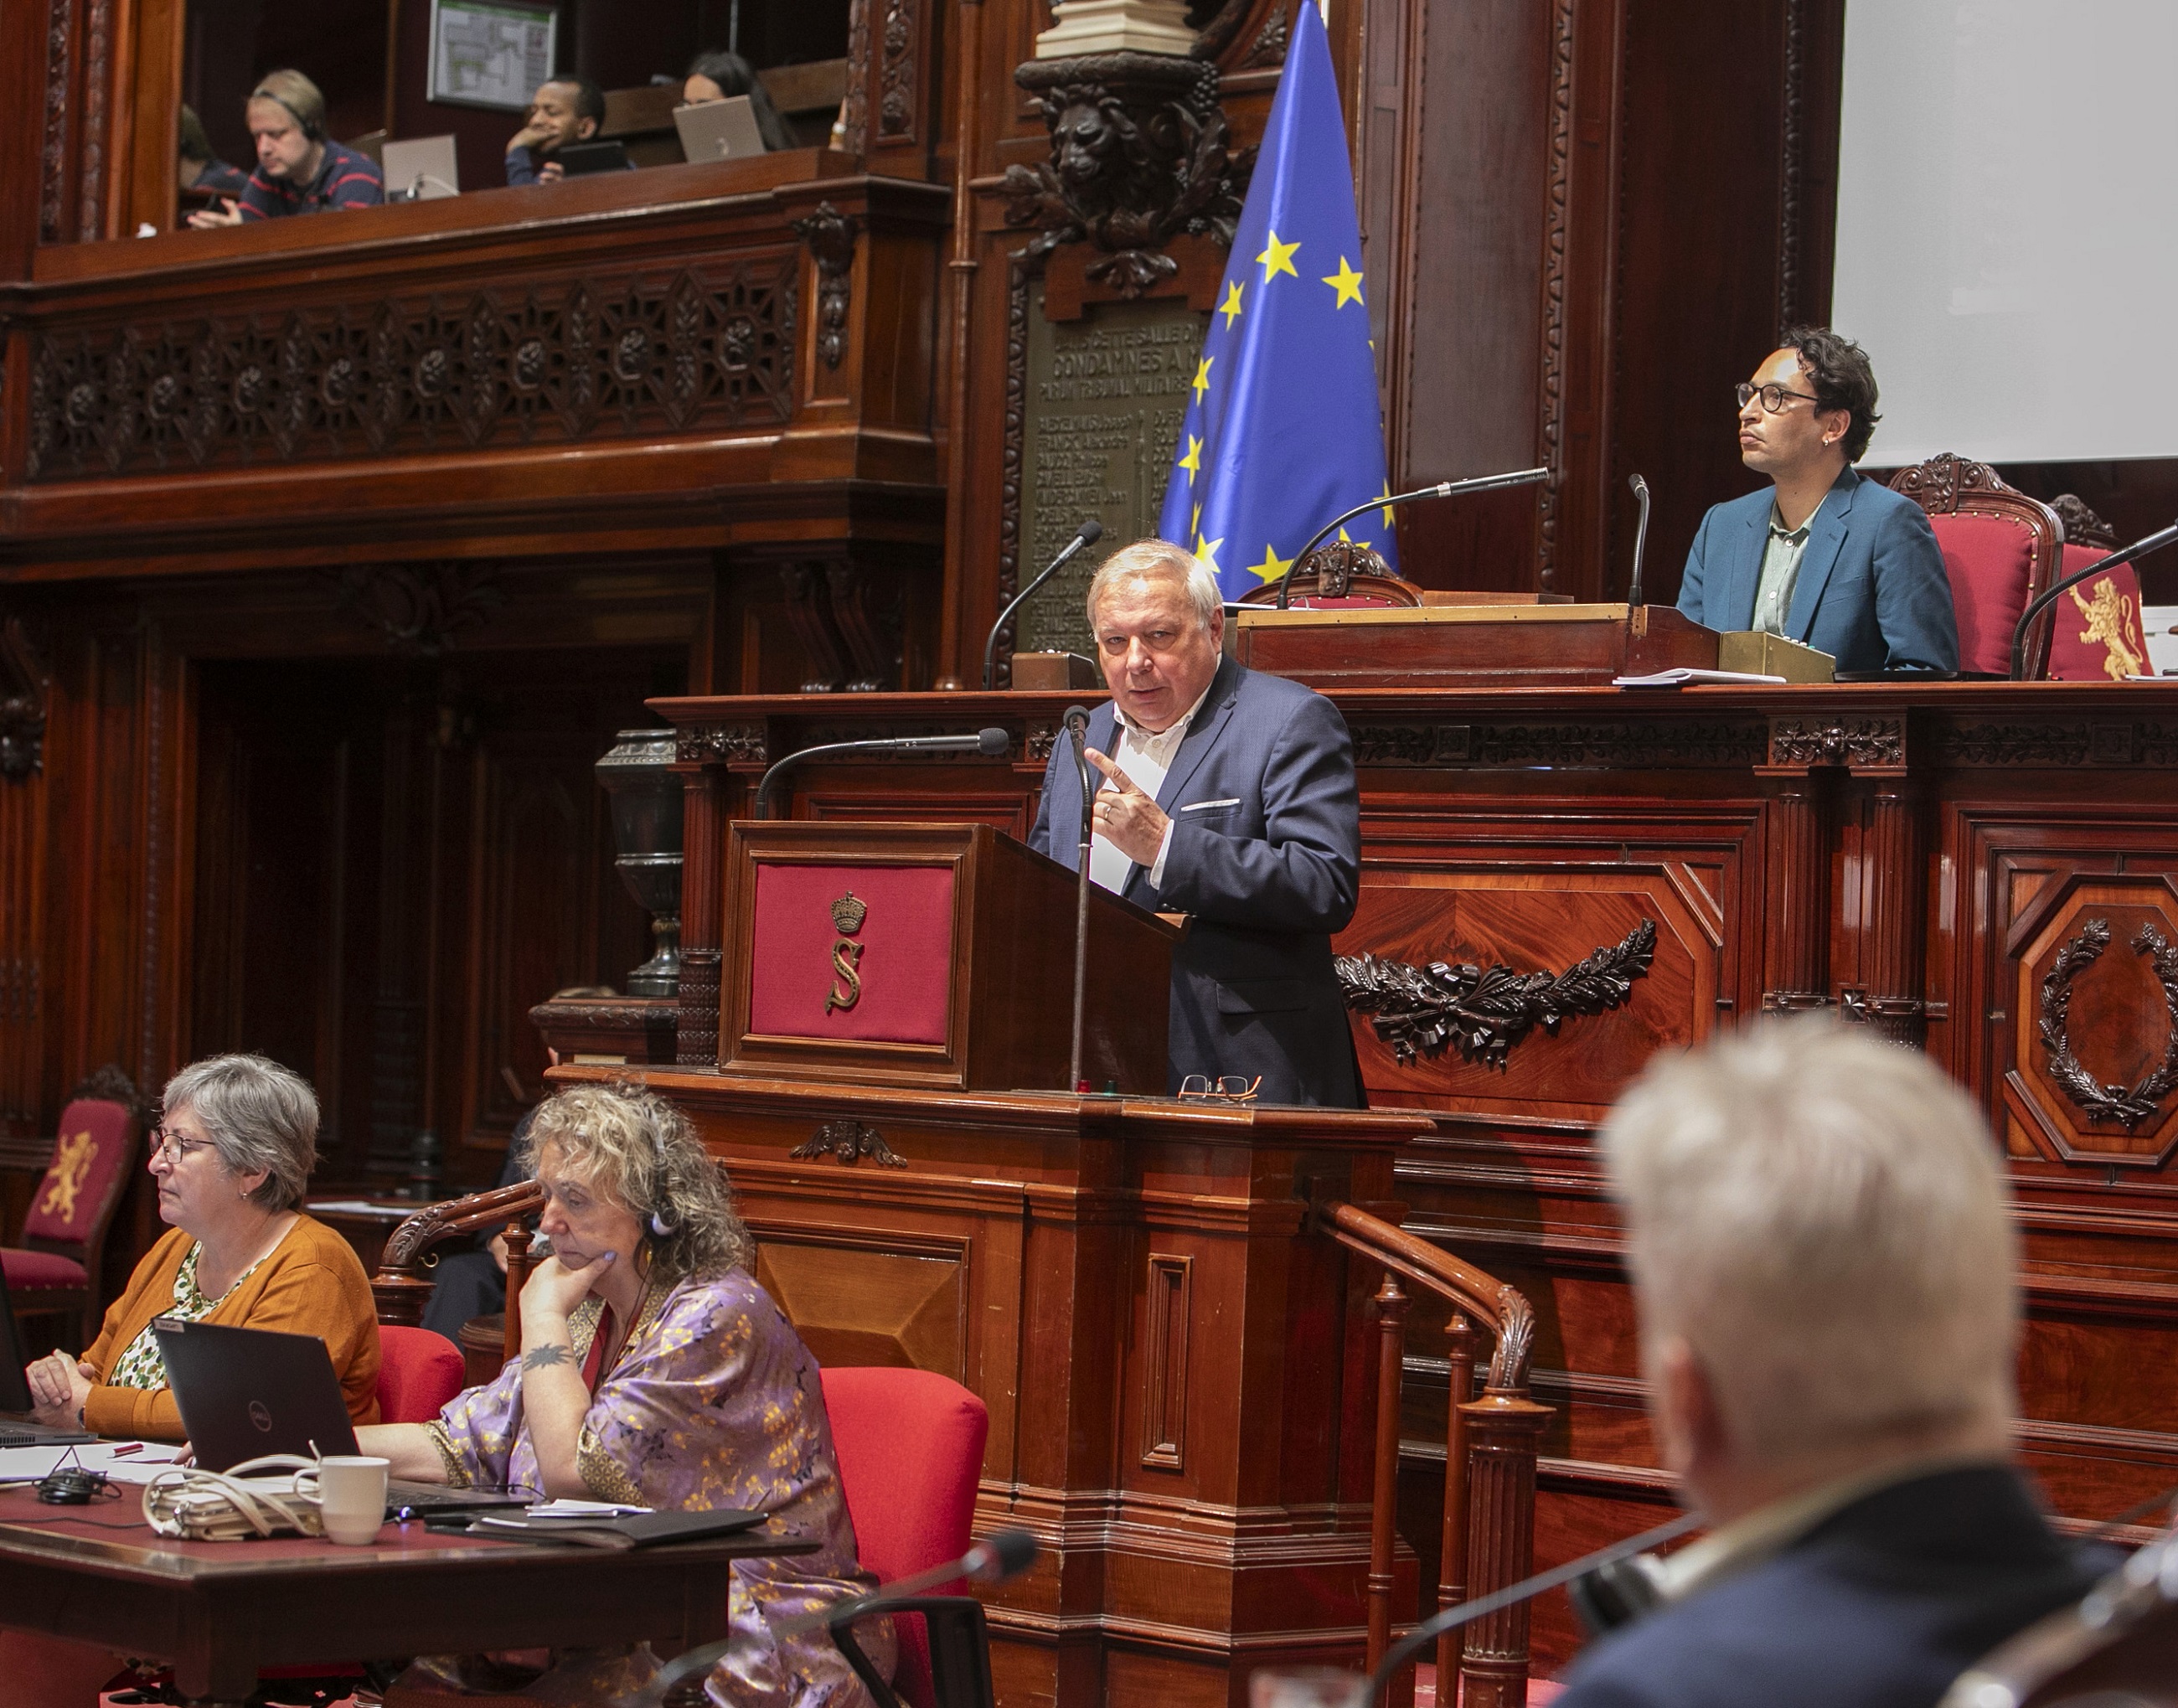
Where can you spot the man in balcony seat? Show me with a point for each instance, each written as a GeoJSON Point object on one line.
{"type": "Point", "coordinates": [564, 110]}
{"type": "Point", "coordinates": [300, 170]}
{"type": "Point", "coordinates": [1827, 1275]}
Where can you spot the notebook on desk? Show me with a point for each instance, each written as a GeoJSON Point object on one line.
{"type": "Point", "coordinates": [17, 1431]}
{"type": "Point", "coordinates": [245, 1393]}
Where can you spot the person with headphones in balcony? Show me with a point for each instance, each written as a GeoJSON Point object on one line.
{"type": "Point", "coordinates": [299, 169]}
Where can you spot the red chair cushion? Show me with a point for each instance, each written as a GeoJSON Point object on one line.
{"type": "Point", "coordinates": [97, 1142]}
{"type": "Point", "coordinates": [418, 1371]}
{"type": "Point", "coordinates": [27, 1271]}
{"type": "Point", "coordinates": [910, 1444]}
{"type": "Point", "coordinates": [2098, 636]}
{"type": "Point", "coordinates": [1989, 558]}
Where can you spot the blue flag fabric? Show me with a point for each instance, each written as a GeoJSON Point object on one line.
{"type": "Point", "coordinates": [1283, 429]}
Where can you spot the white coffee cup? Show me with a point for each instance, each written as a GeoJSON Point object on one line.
{"type": "Point", "coordinates": [352, 1498]}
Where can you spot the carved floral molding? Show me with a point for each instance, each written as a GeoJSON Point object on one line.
{"type": "Point", "coordinates": [848, 1142]}
{"type": "Point", "coordinates": [1486, 1011]}
{"type": "Point", "coordinates": [2134, 1107]}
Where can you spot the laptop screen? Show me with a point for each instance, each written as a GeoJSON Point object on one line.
{"type": "Point", "coordinates": [244, 1392]}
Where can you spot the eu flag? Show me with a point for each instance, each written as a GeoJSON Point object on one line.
{"type": "Point", "coordinates": [1283, 429]}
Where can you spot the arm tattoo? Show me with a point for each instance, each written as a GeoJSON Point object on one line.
{"type": "Point", "coordinates": [544, 1357]}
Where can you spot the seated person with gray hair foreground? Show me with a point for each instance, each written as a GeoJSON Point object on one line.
{"type": "Point", "coordinates": [1821, 1242]}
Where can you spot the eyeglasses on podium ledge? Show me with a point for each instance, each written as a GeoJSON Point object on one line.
{"type": "Point", "coordinates": [1232, 1088]}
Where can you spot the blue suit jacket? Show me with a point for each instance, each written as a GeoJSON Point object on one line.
{"type": "Point", "coordinates": [1266, 855]}
{"type": "Point", "coordinates": [1881, 1606]}
{"type": "Point", "coordinates": [1872, 591]}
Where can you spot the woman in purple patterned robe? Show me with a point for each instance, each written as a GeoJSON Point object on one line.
{"type": "Point", "coordinates": [655, 1372]}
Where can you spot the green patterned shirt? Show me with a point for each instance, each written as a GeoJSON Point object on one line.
{"type": "Point", "coordinates": [141, 1366]}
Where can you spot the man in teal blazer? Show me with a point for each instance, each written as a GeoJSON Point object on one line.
{"type": "Point", "coordinates": [1822, 557]}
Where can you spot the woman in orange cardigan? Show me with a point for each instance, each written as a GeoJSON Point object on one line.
{"type": "Point", "coordinates": [235, 1142]}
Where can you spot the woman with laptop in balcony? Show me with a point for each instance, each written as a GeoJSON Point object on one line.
{"type": "Point", "coordinates": [234, 1143]}
{"type": "Point", "coordinates": [657, 1372]}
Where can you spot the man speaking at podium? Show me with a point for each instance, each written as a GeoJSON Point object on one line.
{"type": "Point", "coordinates": [1229, 796]}
{"type": "Point", "coordinates": [1841, 564]}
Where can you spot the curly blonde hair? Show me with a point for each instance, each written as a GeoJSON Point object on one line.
{"type": "Point", "coordinates": [637, 1149]}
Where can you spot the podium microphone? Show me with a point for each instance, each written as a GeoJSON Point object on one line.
{"type": "Point", "coordinates": [993, 743]}
{"type": "Point", "coordinates": [1443, 489]}
{"type": "Point", "coordinates": [1088, 533]}
{"type": "Point", "coordinates": [2139, 548]}
{"type": "Point", "coordinates": [1006, 1554]}
{"type": "Point", "coordinates": [1076, 720]}
{"type": "Point", "coordinates": [1640, 535]}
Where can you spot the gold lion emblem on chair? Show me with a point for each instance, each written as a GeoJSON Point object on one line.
{"type": "Point", "coordinates": [71, 1167]}
{"type": "Point", "coordinates": [2110, 621]}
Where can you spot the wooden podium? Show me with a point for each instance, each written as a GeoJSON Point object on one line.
{"type": "Point", "coordinates": [1473, 646]}
{"type": "Point", "coordinates": [935, 956]}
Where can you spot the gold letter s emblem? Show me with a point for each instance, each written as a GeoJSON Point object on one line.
{"type": "Point", "coordinates": [847, 987]}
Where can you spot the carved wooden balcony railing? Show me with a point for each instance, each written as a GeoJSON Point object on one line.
{"type": "Point", "coordinates": [1490, 1455]}
{"type": "Point", "coordinates": [403, 1283]}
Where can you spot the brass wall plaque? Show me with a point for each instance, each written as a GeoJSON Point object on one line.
{"type": "Point", "coordinates": [1101, 409]}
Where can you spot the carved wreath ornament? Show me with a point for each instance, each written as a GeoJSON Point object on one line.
{"type": "Point", "coordinates": [1486, 1011]}
{"type": "Point", "coordinates": [2130, 1108]}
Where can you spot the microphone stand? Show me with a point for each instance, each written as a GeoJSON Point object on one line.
{"type": "Point", "coordinates": [1077, 730]}
{"type": "Point", "coordinates": [1640, 536]}
{"type": "Point", "coordinates": [1088, 533]}
{"type": "Point", "coordinates": [1443, 489]}
{"type": "Point", "coordinates": [2139, 548]}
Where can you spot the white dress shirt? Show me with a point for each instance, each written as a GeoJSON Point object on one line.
{"type": "Point", "coordinates": [1145, 756]}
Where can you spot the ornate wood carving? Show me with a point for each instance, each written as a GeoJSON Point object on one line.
{"type": "Point", "coordinates": [636, 356]}
{"type": "Point", "coordinates": [722, 743]}
{"type": "Point", "coordinates": [849, 1142]}
{"type": "Point", "coordinates": [1268, 50]}
{"type": "Point", "coordinates": [2085, 741]}
{"type": "Point", "coordinates": [854, 111]}
{"type": "Point", "coordinates": [830, 235]}
{"type": "Point", "coordinates": [422, 609]}
{"type": "Point", "coordinates": [1486, 1011]}
{"type": "Point", "coordinates": [1936, 485]}
{"type": "Point", "coordinates": [1663, 743]}
{"type": "Point", "coordinates": [896, 102]}
{"type": "Point", "coordinates": [1792, 120]}
{"type": "Point", "coordinates": [60, 17]}
{"type": "Point", "coordinates": [696, 1041]}
{"type": "Point", "coordinates": [2083, 527]}
{"type": "Point", "coordinates": [25, 684]}
{"type": "Point", "coordinates": [1860, 742]}
{"type": "Point", "coordinates": [2132, 1108]}
{"type": "Point", "coordinates": [1557, 184]}
{"type": "Point", "coordinates": [1138, 155]}
{"type": "Point", "coordinates": [110, 1083]}
{"type": "Point", "coordinates": [90, 135]}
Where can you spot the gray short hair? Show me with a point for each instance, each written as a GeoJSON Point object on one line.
{"type": "Point", "coordinates": [258, 1115]}
{"type": "Point", "coordinates": [1157, 559]}
{"type": "Point", "coordinates": [1823, 1218]}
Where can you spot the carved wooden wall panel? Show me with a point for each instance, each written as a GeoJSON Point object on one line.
{"type": "Point", "coordinates": [857, 1300]}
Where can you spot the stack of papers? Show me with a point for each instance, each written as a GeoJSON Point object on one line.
{"type": "Point", "coordinates": [1684, 675]}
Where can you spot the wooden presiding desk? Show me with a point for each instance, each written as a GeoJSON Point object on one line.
{"type": "Point", "coordinates": [1986, 871]}
{"type": "Point", "coordinates": [222, 1611]}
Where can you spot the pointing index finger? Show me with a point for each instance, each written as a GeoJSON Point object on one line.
{"type": "Point", "coordinates": [1118, 779]}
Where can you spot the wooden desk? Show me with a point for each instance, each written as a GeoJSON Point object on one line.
{"type": "Point", "coordinates": [220, 1611]}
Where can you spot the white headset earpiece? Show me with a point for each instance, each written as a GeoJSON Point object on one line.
{"type": "Point", "coordinates": [659, 1225]}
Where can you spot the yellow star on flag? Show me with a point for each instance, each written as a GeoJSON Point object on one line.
{"type": "Point", "coordinates": [1206, 550]}
{"type": "Point", "coordinates": [1278, 259]}
{"type": "Point", "coordinates": [1272, 565]}
{"type": "Point", "coordinates": [1192, 463]}
{"type": "Point", "coordinates": [1203, 377]}
{"type": "Point", "coordinates": [1194, 522]}
{"type": "Point", "coordinates": [1230, 307]}
{"type": "Point", "coordinates": [1346, 282]}
{"type": "Point", "coordinates": [1386, 493]}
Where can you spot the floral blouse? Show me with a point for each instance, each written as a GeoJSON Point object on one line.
{"type": "Point", "coordinates": [142, 1365]}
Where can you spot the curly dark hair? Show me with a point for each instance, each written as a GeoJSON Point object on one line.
{"type": "Point", "coordinates": [1843, 379]}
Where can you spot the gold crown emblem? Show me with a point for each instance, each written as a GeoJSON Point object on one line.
{"type": "Point", "coordinates": [849, 912]}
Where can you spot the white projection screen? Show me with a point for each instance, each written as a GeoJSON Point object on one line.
{"type": "Point", "coordinates": [2007, 225]}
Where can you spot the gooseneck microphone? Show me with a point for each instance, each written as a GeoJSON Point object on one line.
{"type": "Point", "coordinates": [1087, 534]}
{"type": "Point", "coordinates": [1443, 489]}
{"type": "Point", "coordinates": [1076, 720]}
{"type": "Point", "coordinates": [997, 1557]}
{"type": "Point", "coordinates": [993, 743]}
{"type": "Point", "coordinates": [2139, 548]}
{"type": "Point", "coordinates": [1640, 535]}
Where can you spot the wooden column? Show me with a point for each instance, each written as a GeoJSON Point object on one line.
{"type": "Point", "coordinates": [1895, 888]}
{"type": "Point", "coordinates": [703, 840]}
{"type": "Point", "coordinates": [1504, 1432]}
{"type": "Point", "coordinates": [1796, 892]}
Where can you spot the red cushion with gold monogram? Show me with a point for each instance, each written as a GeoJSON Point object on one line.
{"type": "Point", "coordinates": [91, 1163]}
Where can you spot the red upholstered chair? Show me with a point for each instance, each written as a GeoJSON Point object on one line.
{"type": "Point", "coordinates": [911, 1450]}
{"type": "Point", "coordinates": [2000, 549]}
{"type": "Point", "coordinates": [418, 1371]}
{"type": "Point", "coordinates": [2098, 636]}
{"type": "Point", "coordinates": [55, 1270]}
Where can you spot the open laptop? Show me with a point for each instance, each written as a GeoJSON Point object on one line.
{"type": "Point", "coordinates": [422, 169]}
{"type": "Point", "coordinates": [15, 1391]}
{"type": "Point", "coordinates": [245, 1393]}
{"type": "Point", "coordinates": [719, 129]}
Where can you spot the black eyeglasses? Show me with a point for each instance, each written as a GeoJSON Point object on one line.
{"type": "Point", "coordinates": [1773, 397]}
